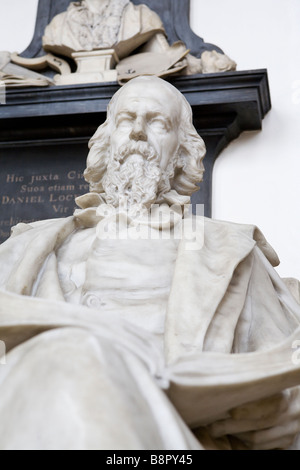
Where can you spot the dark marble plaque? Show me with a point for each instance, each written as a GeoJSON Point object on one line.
{"type": "Point", "coordinates": [40, 182]}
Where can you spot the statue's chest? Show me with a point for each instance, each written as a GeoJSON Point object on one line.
{"type": "Point", "coordinates": [131, 277]}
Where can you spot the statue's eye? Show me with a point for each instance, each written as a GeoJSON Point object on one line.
{"type": "Point", "coordinates": [124, 122]}
{"type": "Point", "coordinates": [159, 124]}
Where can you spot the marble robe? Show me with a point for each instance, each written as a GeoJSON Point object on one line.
{"type": "Point", "coordinates": [134, 347]}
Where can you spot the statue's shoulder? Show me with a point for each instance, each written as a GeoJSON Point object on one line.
{"type": "Point", "coordinates": [56, 23]}
{"type": "Point", "coordinates": [52, 232]}
{"type": "Point", "coordinates": [53, 32]}
{"type": "Point", "coordinates": [39, 226]}
{"type": "Point", "coordinates": [234, 233]}
{"type": "Point", "coordinates": [57, 28]}
{"type": "Point", "coordinates": [142, 14]}
{"type": "Point", "coordinates": [32, 243]}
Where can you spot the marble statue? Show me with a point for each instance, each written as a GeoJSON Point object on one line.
{"type": "Point", "coordinates": [134, 325]}
{"type": "Point", "coordinates": [101, 36]}
{"type": "Point", "coordinates": [99, 24]}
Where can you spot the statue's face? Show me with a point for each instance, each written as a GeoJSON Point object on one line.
{"type": "Point", "coordinates": [149, 115]}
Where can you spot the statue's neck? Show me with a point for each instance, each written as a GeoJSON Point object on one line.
{"type": "Point", "coordinates": [96, 8]}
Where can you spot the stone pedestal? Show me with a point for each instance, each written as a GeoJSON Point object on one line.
{"type": "Point", "coordinates": [92, 67]}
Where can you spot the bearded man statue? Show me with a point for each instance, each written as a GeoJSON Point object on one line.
{"type": "Point", "coordinates": [129, 326]}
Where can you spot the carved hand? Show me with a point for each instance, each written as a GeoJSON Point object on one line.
{"type": "Point", "coordinates": [271, 423]}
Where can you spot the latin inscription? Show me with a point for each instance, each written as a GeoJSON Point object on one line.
{"type": "Point", "coordinates": [39, 182]}
{"type": "Point", "coordinates": [58, 191]}
{"type": "Point", "coordinates": [34, 192]}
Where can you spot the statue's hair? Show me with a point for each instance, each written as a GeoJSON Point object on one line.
{"type": "Point", "coordinates": [188, 164]}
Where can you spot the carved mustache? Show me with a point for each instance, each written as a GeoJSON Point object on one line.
{"type": "Point", "coordinates": [139, 148]}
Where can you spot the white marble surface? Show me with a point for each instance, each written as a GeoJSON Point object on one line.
{"type": "Point", "coordinates": [92, 67]}
{"type": "Point", "coordinates": [120, 342]}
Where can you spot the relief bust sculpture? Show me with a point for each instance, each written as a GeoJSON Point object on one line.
{"type": "Point", "coordinates": [99, 24]}
{"type": "Point", "coordinates": [109, 41]}
{"type": "Point", "coordinates": [93, 25]}
{"type": "Point", "coordinates": [121, 335]}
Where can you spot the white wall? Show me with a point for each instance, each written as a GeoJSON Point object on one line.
{"type": "Point", "coordinates": [257, 178]}
{"type": "Point", "coordinates": [17, 21]}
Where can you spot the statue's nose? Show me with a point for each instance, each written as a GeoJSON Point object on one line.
{"type": "Point", "coordinates": [138, 131]}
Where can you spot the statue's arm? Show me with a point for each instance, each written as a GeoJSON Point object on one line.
{"type": "Point", "coordinates": [271, 423]}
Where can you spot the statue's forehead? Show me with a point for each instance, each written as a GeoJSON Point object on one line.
{"type": "Point", "coordinates": [142, 96]}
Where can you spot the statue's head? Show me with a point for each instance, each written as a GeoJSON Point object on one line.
{"type": "Point", "coordinates": [147, 146]}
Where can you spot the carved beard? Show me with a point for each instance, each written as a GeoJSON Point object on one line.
{"type": "Point", "coordinates": [134, 173]}
{"type": "Point", "coordinates": [96, 30]}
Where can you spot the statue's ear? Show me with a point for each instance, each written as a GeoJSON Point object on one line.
{"type": "Point", "coordinates": [189, 168]}
{"type": "Point", "coordinates": [182, 156]}
{"type": "Point", "coordinates": [99, 134]}
{"type": "Point", "coordinates": [179, 178]}
{"type": "Point", "coordinates": [100, 140]}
